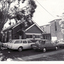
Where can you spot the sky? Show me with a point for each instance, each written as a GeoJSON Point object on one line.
{"type": "Point", "coordinates": [41, 16]}
{"type": "Point", "coordinates": [54, 7]}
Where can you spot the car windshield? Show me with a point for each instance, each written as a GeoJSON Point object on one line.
{"type": "Point", "coordinates": [24, 41]}
{"type": "Point", "coordinates": [29, 41]}
{"type": "Point", "coordinates": [40, 42]}
{"type": "Point", "coordinates": [16, 41]}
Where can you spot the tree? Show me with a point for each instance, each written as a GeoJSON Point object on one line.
{"type": "Point", "coordinates": [15, 12]}
{"type": "Point", "coordinates": [4, 11]}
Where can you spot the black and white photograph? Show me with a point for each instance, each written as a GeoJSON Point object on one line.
{"type": "Point", "coordinates": [31, 30]}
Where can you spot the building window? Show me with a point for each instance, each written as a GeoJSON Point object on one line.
{"type": "Point", "coordinates": [29, 36]}
{"type": "Point", "coordinates": [44, 37]}
{"type": "Point", "coordinates": [2, 37]}
{"type": "Point", "coordinates": [55, 26]}
{"type": "Point", "coordinates": [33, 36]}
{"type": "Point", "coordinates": [37, 36]}
{"type": "Point", "coordinates": [5, 36]}
{"type": "Point", "coordinates": [10, 35]}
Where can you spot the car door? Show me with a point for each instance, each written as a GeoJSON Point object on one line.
{"type": "Point", "coordinates": [25, 44]}
{"type": "Point", "coordinates": [49, 45]}
{"type": "Point", "coordinates": [30, 43]}
{"type": "Point", "coordinates": [17, 44]}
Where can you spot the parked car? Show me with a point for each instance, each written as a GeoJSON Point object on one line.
{"type": "Point", "coordinates": [44, 45]}
{"type": "Point", "coordinates": [19, 44]}
{"type": "Point", "coordinates": [61, 43]}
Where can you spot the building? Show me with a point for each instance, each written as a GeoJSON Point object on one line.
{"type": "Point", "coordinates": [46, 28]}
{"type": "Point", "coordinates": [55, 30]}
{"type": "Point", "coordinates": [47, 33]}
{"type": "Point", "coordinates": [21, 30]}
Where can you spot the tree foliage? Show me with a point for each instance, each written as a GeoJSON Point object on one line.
{"type": "Point", "coordinates": [15, 12]}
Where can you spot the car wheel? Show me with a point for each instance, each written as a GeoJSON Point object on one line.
{"type": "Point", "coordinates": [20, 49]}
{"type": "Point", "coordinates": [44, 49]}
{"type": "Point", "coordinates": [56, 48]}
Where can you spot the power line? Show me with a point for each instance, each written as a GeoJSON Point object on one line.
{"type": "Point", "coordinates": [44, 9]}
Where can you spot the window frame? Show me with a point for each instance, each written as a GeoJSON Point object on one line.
{"type": "Point", "coordinates": [24, 41]}
{"type": "Point", "coordinates": [30, 41]}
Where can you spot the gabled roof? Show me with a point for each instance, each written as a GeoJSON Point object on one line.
{"type": "Point", "coordinates": [14, 26]}
{"type": "Point", "coordinates": [36, 25]}
{"type": "Point", "coordinates": [29, 27]}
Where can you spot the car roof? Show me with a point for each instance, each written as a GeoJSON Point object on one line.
{"type": "Point", "coordinates": [21, 40]}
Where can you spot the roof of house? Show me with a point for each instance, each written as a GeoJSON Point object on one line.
{"type": "Point", "coordinates": [15, 25]}
{"type": "Point", "coordinates": [55, 20]}
{"type": "Point", "coordinates": [12, 26]}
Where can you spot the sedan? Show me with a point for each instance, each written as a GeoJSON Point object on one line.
{"type": "Point", "coordinates": [44, 45]}
{"type": "Point", "coordinates": [19, 44]}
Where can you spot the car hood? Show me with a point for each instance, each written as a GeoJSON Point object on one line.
{"type": "Point", "coordinates": [61, 43]}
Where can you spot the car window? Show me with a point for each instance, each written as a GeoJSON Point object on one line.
{"type": "Point", "coordinates": [29, 41]}
{"type": "Point", "coordinates": [42, 42]}
{"type": "Point", "coordinates": [24, 41]}
{"type": "Point", "coordinates": [17, 42]}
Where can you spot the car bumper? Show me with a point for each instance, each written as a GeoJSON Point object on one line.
{"type": "Point", "coordinates": [36, 48]}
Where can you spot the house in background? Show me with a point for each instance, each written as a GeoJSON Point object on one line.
{"type": "Point", "coordinates": [47, 33]}
{"type": "Point", "coordinates": [46, 28]}
{"type": "Point", "coordinates": [21, 30]}
{"type": "Point", "coordinates": [54, 30]}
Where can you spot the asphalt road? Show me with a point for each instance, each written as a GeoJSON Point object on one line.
{"type": "Point", "coordinates": [6, 53]}
{"type": "Point", "coordinates": [54, 57]}
{"type": "Point", "coordinates": [31, 55]}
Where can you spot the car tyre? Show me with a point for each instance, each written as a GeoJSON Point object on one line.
{"type": "Point", "coordinates": [20, 49]}
{"type": "Point", "coordinates": [44, 49]}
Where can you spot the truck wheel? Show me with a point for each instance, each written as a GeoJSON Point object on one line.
{"type": "Point", "coordinates": [44, 49]}
{"type": "Point", "coordinates": [20, 49]}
